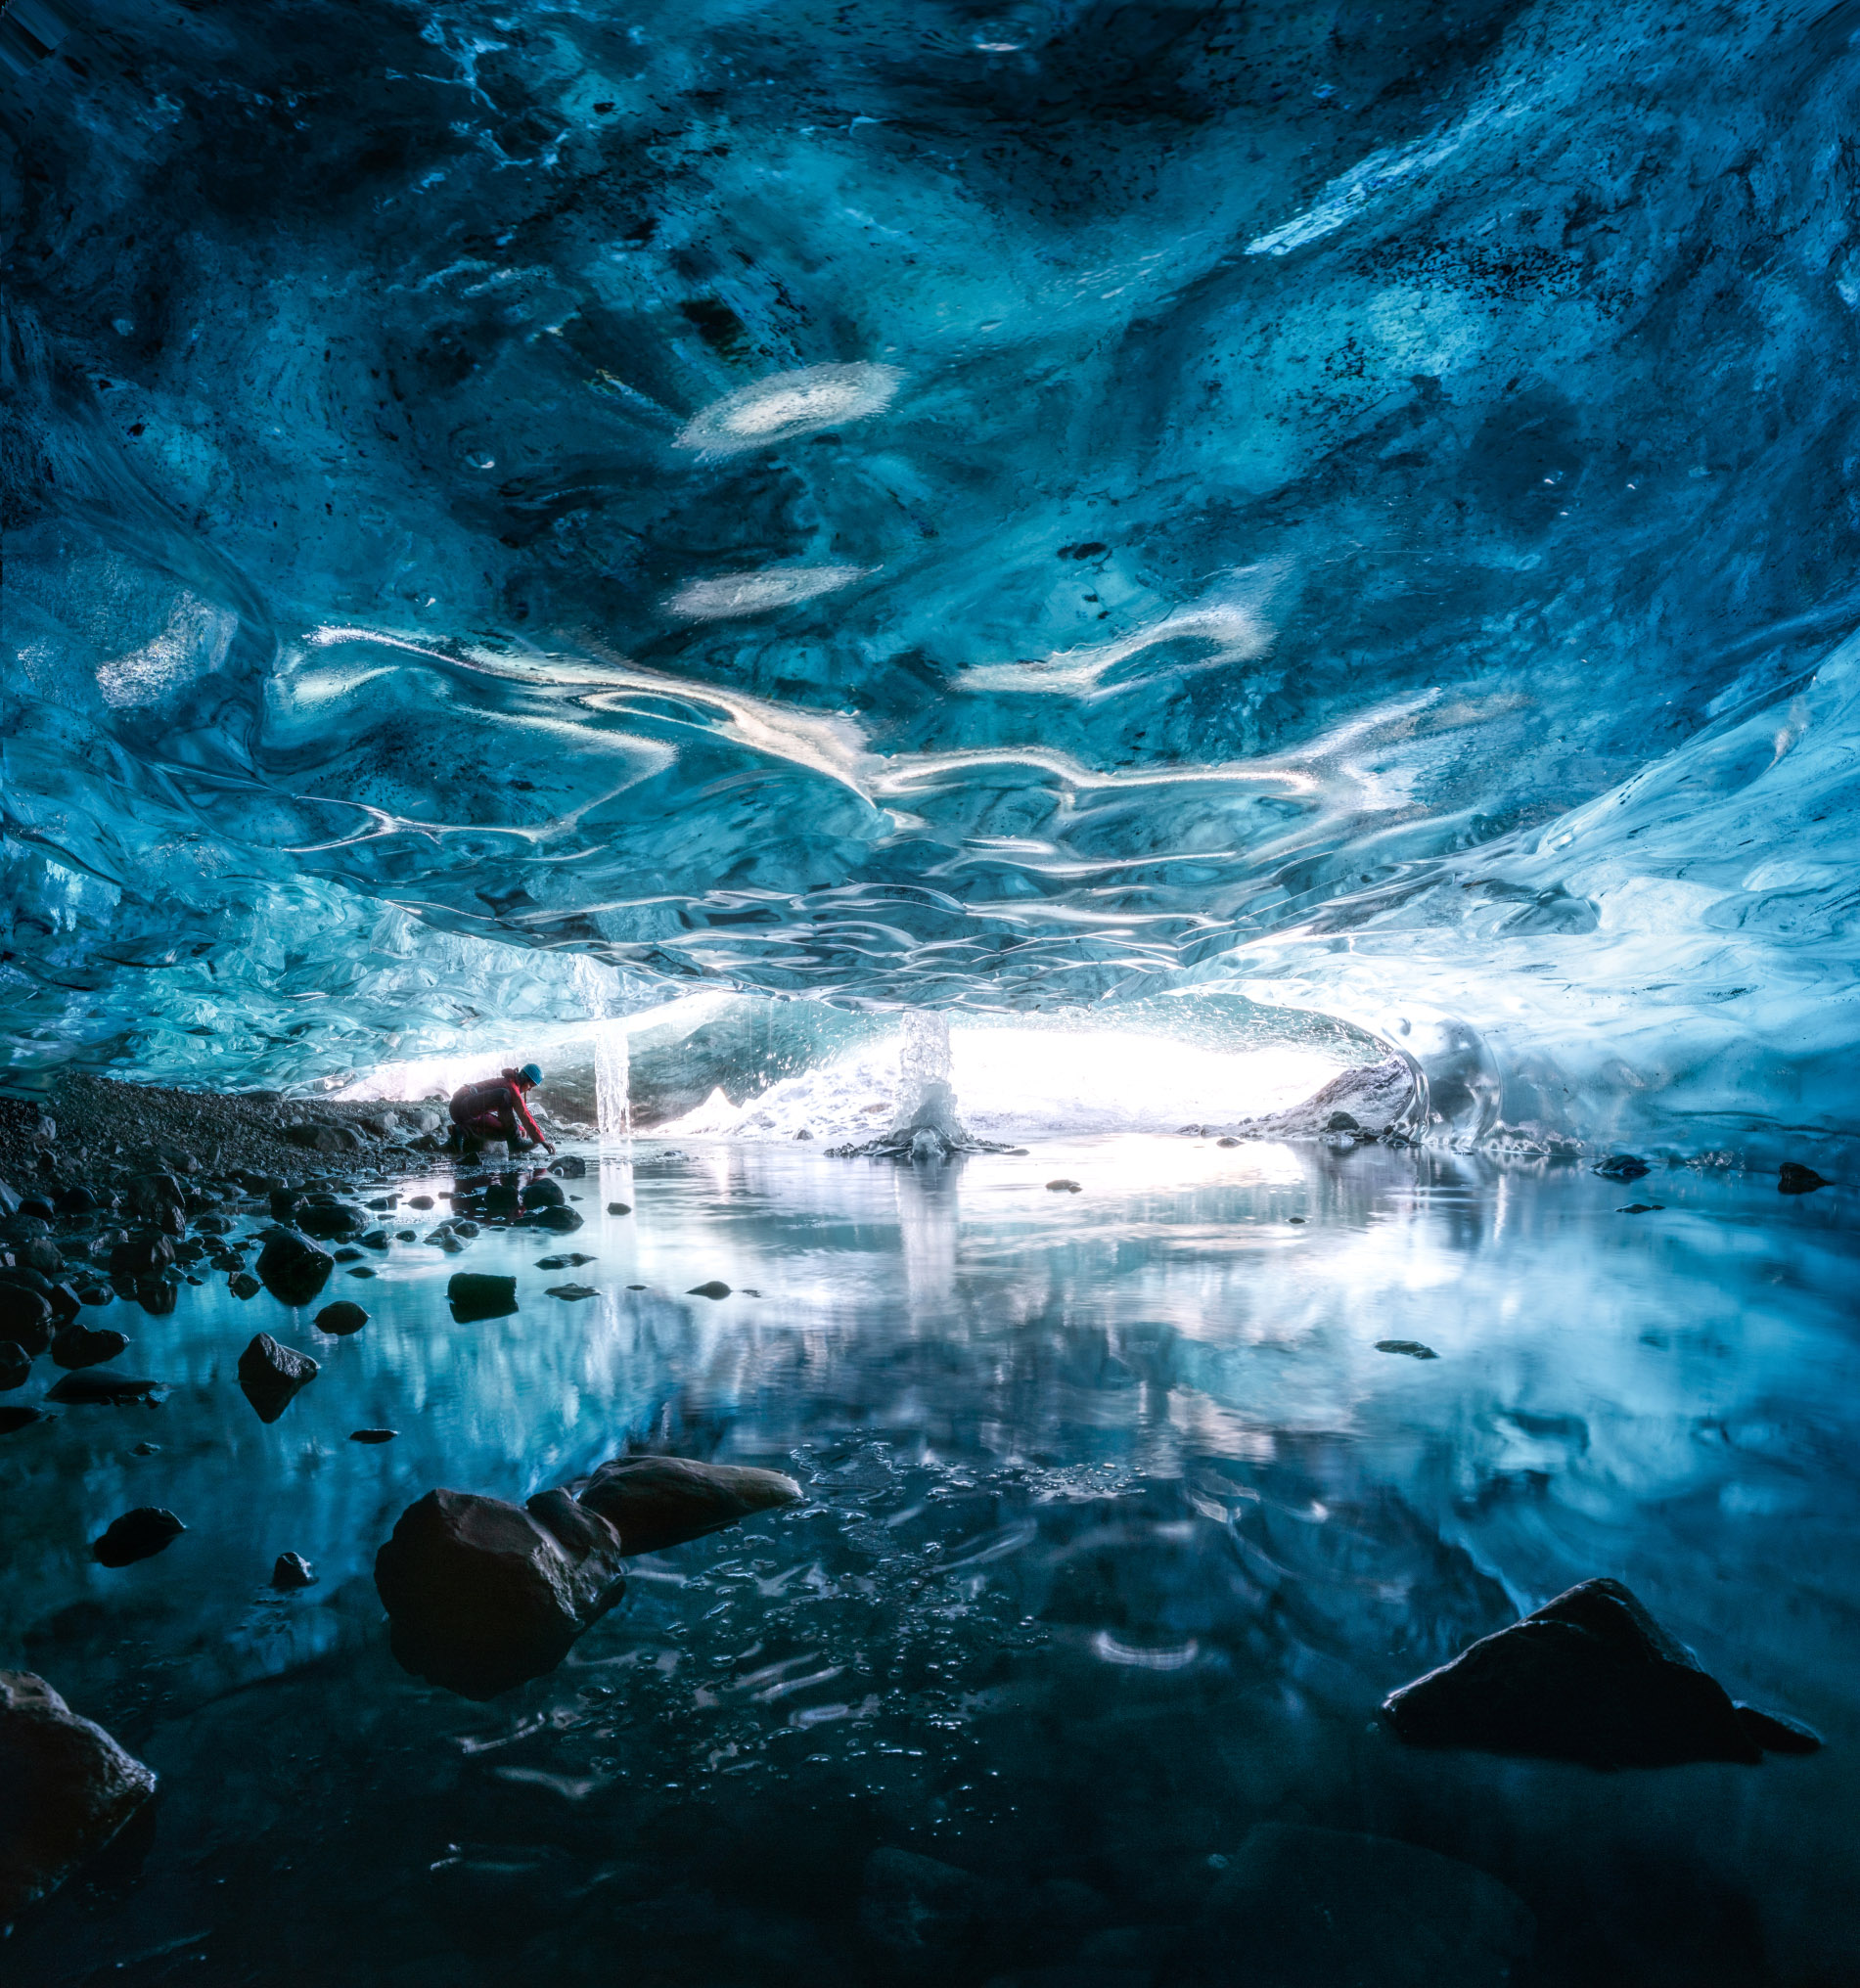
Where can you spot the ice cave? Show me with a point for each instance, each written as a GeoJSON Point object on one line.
{"type": "Point", "coordinates": [929, 1038]}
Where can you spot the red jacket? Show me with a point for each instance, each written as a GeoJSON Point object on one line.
{"type": "Point", "coordinates": [489, 1099]}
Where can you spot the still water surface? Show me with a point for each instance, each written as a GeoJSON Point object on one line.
{"type": "Point", "coordinates": [1117, 1528]}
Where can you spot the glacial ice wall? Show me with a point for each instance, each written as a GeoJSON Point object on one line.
{"type": "Point", "coordinates": [1006, 506]}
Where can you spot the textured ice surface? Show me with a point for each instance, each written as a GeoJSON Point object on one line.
{"type": "Point", "coordinates": [1352, 505]}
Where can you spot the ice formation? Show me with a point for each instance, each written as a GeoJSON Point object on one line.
{"type": "Point", "coordinates": [1353, 506]}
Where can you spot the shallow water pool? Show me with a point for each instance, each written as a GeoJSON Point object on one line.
{"type": "Point", "coordinates": [1118, 1526]}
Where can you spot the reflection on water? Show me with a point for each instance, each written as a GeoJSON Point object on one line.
{"type": "Point", "coordinates": [1119, 1527]}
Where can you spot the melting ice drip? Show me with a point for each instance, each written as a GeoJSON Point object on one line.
{"type": "Point", "coordinates": [612, 1076]}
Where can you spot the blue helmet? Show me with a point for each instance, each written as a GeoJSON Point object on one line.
{"type": "Point", "coordinates": [531, 1073]}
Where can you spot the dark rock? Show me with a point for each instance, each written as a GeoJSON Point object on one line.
{"type": "Point", "coordinates": [1340, 1121]}
{"type": "Point", "coordinates": [66, 1789]}
{"type": "Point", "coordinates": [293, 1570]}
{"type": "Point", "coordinates": [13, 1418]}
{"type": "Point", "coordinates": [99, 1388]}
{"type": "Point", "coordinates": [26, 1318]}
{"type": "Point", "coordinates": [476, 1295]}
{"type": "Point", "coordinates": [919, 1912]}
{"type": "Point", "coordinates": [272, 1375]}
{"type": "Point", "coordinates": [77, 1201]}
{"type": "Point", "coordinates": [1414, 1349]}
{"type": "Point", "coordinates": [461, 1226]}
{"type": "Point", "coordinates": [1777, 1732]}
{"type": "Point", "coordinates": [9, 1202]}
{"type": "Point", "coordinates": [157, 1199]}
{"type": "Point", "coordinates": [657, 1502]}
{"type": "Point", "coordinates": [620, 1207]}
{"type": "Point", "coordinates": [1796, 1179]}
{"type": "Point", "coordinates": [421, 1202]}
{"type": "Point", "coordinates": [361, 1269]}
{"type": "Point", "coordinates": [146, 1450]}
{"type": "Point", "coordinates": [543, 1193]}
{"type": "Point", "coordinates": [1642, 1208]}
{"type": "Point", "coordinates": [141, 1256]}
{"type": "Point", "coordinates": [16, 1366]}
{"type": "Point", "coordinates": [715, 1289]}
{"type": "Point", "coordinates": [329, 1221]}
{"type": "Point", "coordinates": [385, 1203]}
{"type": "Point", "coordinates": [572, 1260]}
{"type": "Point", "coordinates": [570, 1166]}
{"type": "Point", "coordinates": [501, 1199]}
{"type": "Point", "coordinates": [285, 1203]}
{"type": "Point", "coordinates": [214, 1224]}
{"type": "Point", "coordinates": [376, 1238]}
{"type": "Point", "coordinates": [1622, 1166]}
{"type": "Point", "coordinates": [571, 1290]}
{"type": "Point", "coordinates": [157, 1296]}
{"type": "Point", "coordinates": [342, 1317]}
{"type": "Point", "coordinates": [38, 1207]}
{"type": "Point", "coordinates": [1312, 1908]}
{"type": "Point", "coordinates": [563, 1220]}
{"type": "Point", "coordinates": [291, 1267]}
{"type": "Point", "coordinates": [243, 1283]}
{"type": "Point", "coordinates": [1063, 1187]}
{"type": "Point", "coordinates": [349, 1256]}
{"type": "Point", "coordinates": [482, 1595]}
{"type": "Point", "coordinates": [79, 1346]}
{"type": "Point", "coordinates": [1590, 1677]}
{"type": "Point", "coordinates": [138, 1535]}
{"type": "Point", "coordinates": [373, 1436]}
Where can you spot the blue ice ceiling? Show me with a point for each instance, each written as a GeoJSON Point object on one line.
{"type": "Point", "coordinates": [920, 503]}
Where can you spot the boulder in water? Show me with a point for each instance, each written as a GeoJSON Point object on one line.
{"type": "Point", "coordinates": [144, 1255]}
{"type": "Point", "coordinates": [329, 1221]}
{"type": "Point", "coordinates": [66, 1789]}
{"type": "Point", "coordinates": [77, 1345]}
{"type": "Point", "coordinates": [137, 1535]}
{"type": "Point", "coordinates": [655, 1502]}
{"type": "Point", "coordinates": [340, 1318]}
{"type": "Point", "coordinates": [563, 1220]}
{"type": "Point", "coordinates": [1796, 1179]}
{"type": "Point", "coordinates": [16, 1366]}
{"type": "Point", "coordinates": [293, 1570]}
{"type": "Point", "coordinates": [1622, 1166]}
{"type": "Point", "coordinates": [482, 1595]}
{"type": "Point", "coordinates": [715, 1289]}
{"type": "Point", "coordinates": [477, 1294]}
{"type": "Point", "coordinates": [1589, 1677]}
{"type": "Point", "coordinates": [543, 1193]}
{"type": "Point", "coordinates": [272, 1375]}
{"type": "Point", "coordinates": [291, 1267]}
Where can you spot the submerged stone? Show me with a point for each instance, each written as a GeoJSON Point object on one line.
{"type": "Point", "coordinates": [571, 1292]}
{"type": "Point", "coordinates": [563, 1220]}
{"type": "Point", "coordinates": [1063, 1187]}
{"type": "Point", "coordinates": [14, 1416]}
{"type": "Point", "coordinates": [373, 1436]}
{"type": "Point", "coordinates": [137, 1535]}
{"type": "Point", "coordinates": [16, 1366]}
{"type": "Point", "coordinates": [715, 1289]}
{"type": "Point", "coordinates": [98, 1386]}
{"type": "Point", "coordinates": [482, 1595]}
{"type": "Point", "coordinates": [1413, 1348]}
{"type": "Point", "coordinates": [293, 1570]}
{"type": "Point", "coordinates": [66, 1789]}
{"type": "Point", "coordinates": [1622, 1166]}
{"type": "Point", "coordinates": [1796, 1179]}
{"type": "Point", "coordinates": [1588, 1677]}
{"type": "Point", "coordinates": [340, 1318]}
{"type": "Point", "coordinates": [272, 1375]}
{"type": "Point", "coordinates": [657, 1502]}
{"type": "Point", "coordinates": [1303, 1907]}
